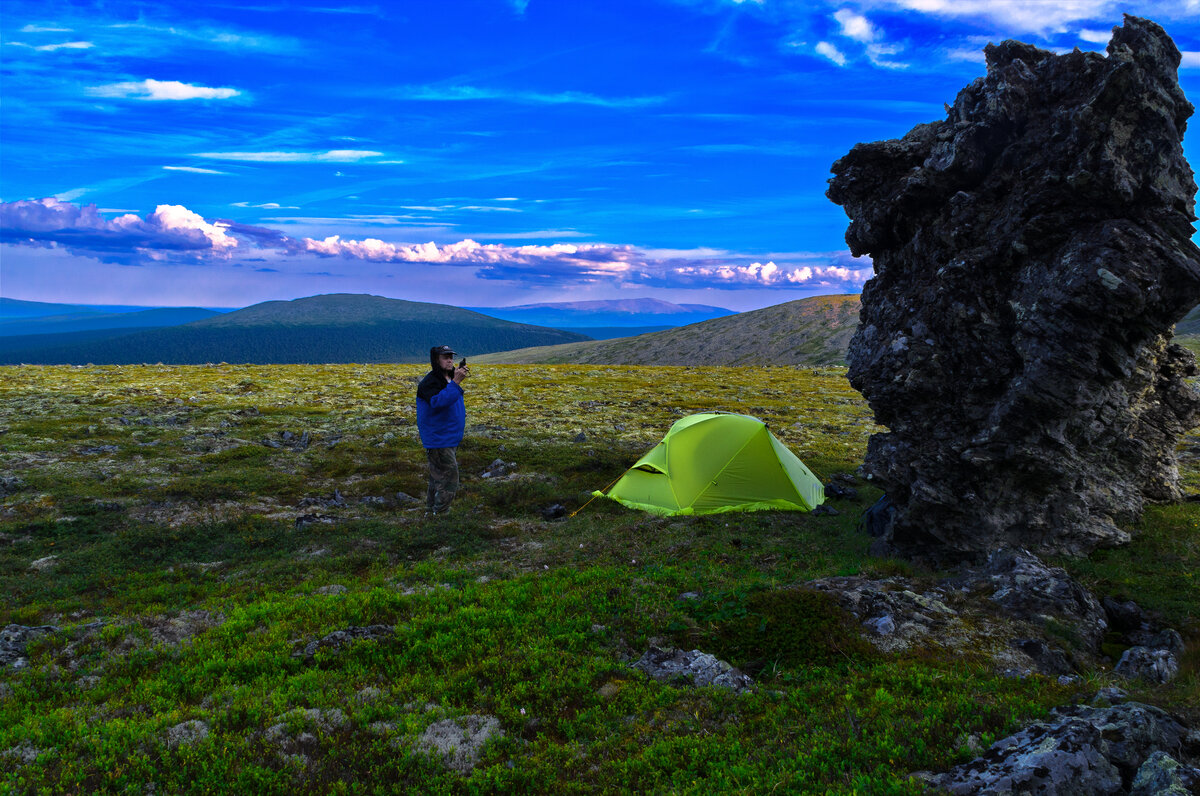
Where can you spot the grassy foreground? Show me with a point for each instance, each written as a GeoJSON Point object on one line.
{"type": "Point", "coordinates": [217, 519]}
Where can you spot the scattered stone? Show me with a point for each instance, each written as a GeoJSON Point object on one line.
{"type": "Point", "coordinates": [581, 437]}
{"type": "Point", "coordinates": [1152, 665]}
{"type": "Point", "coordinates": [333, 588]}
{"type": "Point", "coordinates": [1032, 591]}
{"type": "Point", "coordinates": [335, 500]}
{"type": "Point", "coordinates": [554, 512]}
{"type": "Point", "coordinates": [340, 638]}
{"type": "Point", "coordinates": [305, 520]}
{"type": "Point", "coordinates": [825, 510]}
{"type": "Point", "coordinates": [1089, 751]}
{"type": "Point", "coordinates": [24, 753]}
{"type": "Point", "coordinates": [1031, 259]}
{"type": "Point", "coordinates": [99, 450]}
{"type": "Point", "coordinates": [405, 498]}
{"type": "Point", "coordinates": [1163, 775]}
{"type": "Point", "coordinates": [44, 564]}
{"type": "Point", "coordinates": [369, 694]}
{"type": "Point", "coordinates": [1048, 659]}
{"type": "Point", "coordinates": [182, 627]}
{"type": "Point", "coordinates": [692, 668]}
{"type": "Point", "coordinates": [840, 491]}
{"type": "Point", "coordinates": [10, 485]}
{"type": "Point", "coordinates": [498, 468]}
{"type": "Point", "coordinates": [14, 639]}
{"type": "Point", "coordinates": [186, 733]}
{"type": "Point", "coordinates": [459, 741]}
{"type": "Point", "coordinates": [1109, 695]}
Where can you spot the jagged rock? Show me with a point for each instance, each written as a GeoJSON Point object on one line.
{"type": "Point", "coordinates": [340, 638]}
{"type": "Point", "coordinates": [1143, 663]}
{"type": "Point", "coordinates": [13, 640]}
{"type": "Point", "coordinates": [1080, 750]}
{"type": "Point", "coordinates": [1032, 253]}
{"type": "Point", "coordinates": [1163, 775]}
{"type": "Point", "coordinates": [1028, 589]}
{"type": "Point", "coordinates": [693, 668]}
{"type": "Point", "coordinates": [459, 741]}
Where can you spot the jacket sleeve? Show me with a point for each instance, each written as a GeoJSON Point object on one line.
{"type": "Point", "coordinates": [450, 394]}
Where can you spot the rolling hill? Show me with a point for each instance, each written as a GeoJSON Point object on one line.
{"type": "Point", "coordinates": [607, 313]}
{"type": "Point", "coordinates": [84, 321]}
{"type": "Point", "coordinates": [811, 331]}
{"type": "Point", "coordinates": [318, 329]}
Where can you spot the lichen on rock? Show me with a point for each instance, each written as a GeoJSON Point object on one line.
{"type": "Point", "coordinates": [1032, 254]}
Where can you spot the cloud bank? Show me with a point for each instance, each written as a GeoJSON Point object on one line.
{"type": "Point", "coordinates": [174, 235]}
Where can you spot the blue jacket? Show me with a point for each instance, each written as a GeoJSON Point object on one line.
{"type": "Point", "coordinates": [441, 412]}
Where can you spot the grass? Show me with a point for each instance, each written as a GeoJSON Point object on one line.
{"type": "Point", "coordinates": [197, 528]}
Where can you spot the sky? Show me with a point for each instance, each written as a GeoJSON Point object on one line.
{"type": "Point", "coordinates": [475, 153]}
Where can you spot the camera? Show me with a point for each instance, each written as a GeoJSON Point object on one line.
{"type": "Point", "coordinates": [463, 364]}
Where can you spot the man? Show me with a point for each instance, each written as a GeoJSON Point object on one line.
{"type": "Point", "coordinates": [441, 418]}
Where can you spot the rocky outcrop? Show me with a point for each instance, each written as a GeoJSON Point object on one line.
{"type": "Point", "coordinates": [1032, 252]}
{"type": "Point", "coordinates": [692, 668]}
{"type": "Point", "coordinates": [1084, 750]}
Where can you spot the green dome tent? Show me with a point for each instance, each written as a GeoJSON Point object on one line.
{"type": "Point", "coordinates": [715, 462]}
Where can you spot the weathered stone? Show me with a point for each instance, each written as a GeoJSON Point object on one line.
{"type": "Point", "coordinates": [1080, 750]}
{"type": "Point", "coordinates": [13, 640]}
{"type": "Point", "coordinates": [1032, 253]}
{"type": "Point", "coordinates": [1163, 775]}
{"type": "Point", "coordinates": [1143, 663]}
{"type": "Point", "coordinates": [186, 733]}
{"type": "Point", "coordinates": [459, 741]}
{"type": "Point", "coordinates": [1032, 591]}
{"type": "Point", "coordinates": [45, 564]}
{"type": "Point", "coordinates": [694, 668]}
{"type": "Point", "coordinates": [340, 638]}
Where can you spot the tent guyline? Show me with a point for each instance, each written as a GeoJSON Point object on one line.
{"type": "Point", "coordinates": [716, 462]}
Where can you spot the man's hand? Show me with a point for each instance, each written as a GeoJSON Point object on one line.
{"type": "Point", "coordinates": [460, 374]}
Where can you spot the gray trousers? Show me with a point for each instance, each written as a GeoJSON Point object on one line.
{"type": "Point", "coordinates": [443, 478]}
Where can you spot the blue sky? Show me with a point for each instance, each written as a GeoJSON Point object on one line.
{"type": "Point", "coordinates": [480, 153]}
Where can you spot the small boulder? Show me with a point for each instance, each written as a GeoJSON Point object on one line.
{"type": "Point", "coordinates": [459, 741]}
{"type": "Point", "coordinates": [693, 668]}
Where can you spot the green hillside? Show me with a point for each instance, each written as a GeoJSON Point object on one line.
{"type": "Point", "coordinates": [811, 331]}
{"type": "Point", "coordinates": [317, 329]}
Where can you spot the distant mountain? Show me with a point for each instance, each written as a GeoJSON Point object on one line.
{"type": "Point", "coordinates": [16, 308]}
{"type": "Point", "coordinates": [80, 321]}
{"type": "Point", "coordinates": [317, 329]}
{"type": "Point", "coordinates": [580, 315]}
{"type": "Point", "coordinates": [812, 331]}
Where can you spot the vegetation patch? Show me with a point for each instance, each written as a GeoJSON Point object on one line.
{"type": "Point", "coordinates": [190, 531]}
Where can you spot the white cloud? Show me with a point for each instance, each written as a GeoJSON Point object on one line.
{"type": "Point", "coordinates": [49, 48]}
{"type": "Point", "coordinates": [878, 54]}
{"type": "Point", "coordinates": [1191, 60]}
{"type": "Point", "coordinates": [1095, 36]}
{"type": "Point", "coordinates": [332, 156]}
{"type": "Point", "coordinates": [161, 90]}
{"type": "Point", "coordinates": [474, 93]}
{"type": "Point", "coordinates": [831, 52]}
{"type": "Point", "coordinates": [770, 274]}
{"type": "Point", "coordinates": [31, 28]}
{"type": "Point", "coordinates": [1035, 16]}
{"type": "Point", "coordinates": [855, 26]}
{"type": "Point", "coordinates": [193, 170]}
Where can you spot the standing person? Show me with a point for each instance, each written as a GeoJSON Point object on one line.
{"type": "Point", "coordinates": [441, 418]}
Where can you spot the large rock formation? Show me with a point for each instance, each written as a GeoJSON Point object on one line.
{"type": "Point", "coordinates": [1032, 253]}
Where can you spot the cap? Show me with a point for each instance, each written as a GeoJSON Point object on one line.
{"type": "Point", "coordinates": [438, 350]}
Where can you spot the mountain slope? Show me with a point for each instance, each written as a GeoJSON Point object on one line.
{"type": "Point", "coordinates": [86, 321]}
{"type": "Point", "coordinates": [317, 329]}
{"type": "Point", "coordinates": [812, 331]}
{"type": "Point", "coordinates": [642, 312]}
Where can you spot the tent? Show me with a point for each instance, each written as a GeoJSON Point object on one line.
{"type": "Point", "coordinates": [715, 462]}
